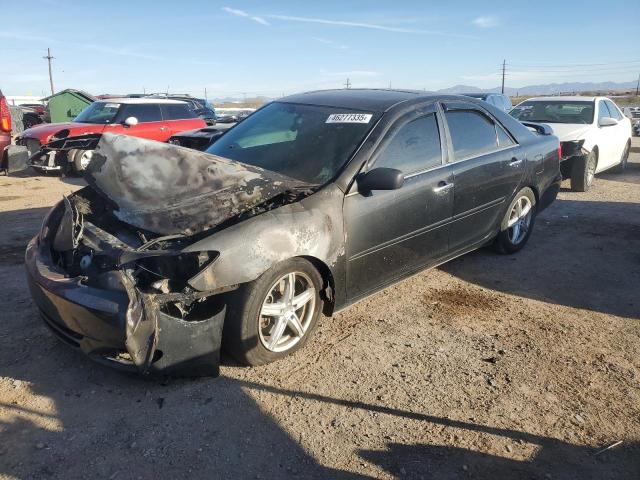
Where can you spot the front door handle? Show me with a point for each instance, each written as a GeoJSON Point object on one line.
{"type": "Point", "coordinates": [515, 162]}
{"type": "Point", "coordinates": [443, 187]}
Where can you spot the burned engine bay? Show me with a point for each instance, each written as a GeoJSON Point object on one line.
{"type": "Point", "coordinates": [127, 231]}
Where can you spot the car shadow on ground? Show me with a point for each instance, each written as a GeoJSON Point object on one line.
{"type": "Point", "coordinates": [17, 228]}
{"type": "Point", "coordinates": [573, 243]}
{"type": "Point", "coordinates": [630, 175]}
{"type": "Point", "coordinates": [68, 179]}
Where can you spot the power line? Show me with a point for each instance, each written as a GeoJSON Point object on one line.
{"type": "Point", "coordinates": [49, 58]}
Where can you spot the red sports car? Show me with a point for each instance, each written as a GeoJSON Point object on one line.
{"type": "Point", "coordinates": [153, 119]}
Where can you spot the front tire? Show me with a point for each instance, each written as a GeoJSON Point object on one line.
{"type": "Point", "coordinates": [517, 223]}
{"type": "Point", "coordinates": [274, 315]}
{"type": "Point", "coordinates": [81, 159]}
{"type": "Point", "coordinates": [583, 171]}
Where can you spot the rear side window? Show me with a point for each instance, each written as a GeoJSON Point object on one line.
{"type": "Point", "coordinates": [177, 111]}
{"type": "Point", "coordinates": [415, 146]}
{"type": "Point", "coordinates": [472, 133]}
{"type": "Point", "coordinates": [144, 112]}
{"type": "Point", "coordinates": [615, 113]}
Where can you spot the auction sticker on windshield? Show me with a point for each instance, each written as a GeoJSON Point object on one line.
{"type": "Point", "coordinates": [349, 118]}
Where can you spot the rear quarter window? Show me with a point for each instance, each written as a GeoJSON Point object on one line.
{"type": "Point", "coordinates": [177, 111]}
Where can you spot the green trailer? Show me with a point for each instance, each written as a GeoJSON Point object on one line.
{"type": "Point", "coordinates": [66, 105]}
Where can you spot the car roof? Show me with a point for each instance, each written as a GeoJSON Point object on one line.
{"type": "Point", "coordinates": [370, 99]}
{"type": "Point", "coordinates": [135, 101]}
{"type": "Point", "coordinates": [481, 95]}
{"type": "Point", "coordinates": [567, 98]}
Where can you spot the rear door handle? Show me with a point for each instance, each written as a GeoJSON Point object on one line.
{"type": "Point", "coordinates": [443, 187]}
{"type": "Point", "coordinates": [515, 162]}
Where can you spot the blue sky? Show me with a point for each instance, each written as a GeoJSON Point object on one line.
{"type": "Point", "coordinates": [254, 47]}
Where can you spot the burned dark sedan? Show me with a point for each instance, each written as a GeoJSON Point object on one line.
{"type": "Point", "coordinates": [312, 203]}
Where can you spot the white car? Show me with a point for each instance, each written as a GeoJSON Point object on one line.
{"type": "Point", "coordinates": [594, 134]}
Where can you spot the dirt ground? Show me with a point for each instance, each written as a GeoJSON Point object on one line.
{"type": "Point", "coordinates": [523, 366]}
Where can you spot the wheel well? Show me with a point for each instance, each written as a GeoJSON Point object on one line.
{"type": "Point", "coordinates": [329, 288]}
{"type": "Point", "coordinates": [536, 194]}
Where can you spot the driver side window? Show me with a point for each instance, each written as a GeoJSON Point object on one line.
{"type": "Point", "coordinates": [414, 147]}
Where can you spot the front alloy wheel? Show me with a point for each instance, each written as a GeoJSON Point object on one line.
{"type": "Point", "coordinates": [274, 315]}
{"type": "Point", "coordinates": [287, 312]}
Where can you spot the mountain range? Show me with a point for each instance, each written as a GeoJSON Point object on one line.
{"type": "Point", "coordinates": [546, 89]}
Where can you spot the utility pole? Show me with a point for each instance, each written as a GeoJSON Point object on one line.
{"type": "Point", "coordinates": [49, 58]}
{"type": "Point", "coordinates": [638, 85]}
{"type": "Point", "coordinates": [504, 64]}
{"type": "Point", "coordinates": [205, 95]}
{"type": "Point", "coordinates": [347, 85]}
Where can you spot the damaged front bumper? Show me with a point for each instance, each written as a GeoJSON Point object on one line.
{"type": "Point", "coordinates": [123, 327]}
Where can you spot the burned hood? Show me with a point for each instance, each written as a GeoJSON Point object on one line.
{"type": "Point", "coordinates": [170, 190]}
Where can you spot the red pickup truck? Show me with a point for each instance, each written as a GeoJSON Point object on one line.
{"type": "Point", "coordinates": [154, 119]}
{"type": "Point", "coordinates": [5, 130]}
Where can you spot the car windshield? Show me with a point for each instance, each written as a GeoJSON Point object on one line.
{"type": "Point", "coordinates": [306, 142]}
{"type": "Point", "coordinates": [99, 112]}
{"type": "Point", "coordinates": [554, 111]}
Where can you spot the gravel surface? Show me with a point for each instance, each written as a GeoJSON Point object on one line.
{"type": "Point", "coordinates": [523, 366]}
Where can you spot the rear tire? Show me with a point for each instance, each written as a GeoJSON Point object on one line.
{"type": "Point", "coordinates": [249, 334]}
{"type": "Point", "coordinates": [583, 171]}
{"type": "Point", "coordinates": [517, 223]}
{"type": "Point", "coordinates": [622, 166]}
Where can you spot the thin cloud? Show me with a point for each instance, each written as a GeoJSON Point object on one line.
{"type": "Point", "coordinates": [370, 26]}
{"type": "Point", "coordinates": [486, 21]}
{"type": "Point", "coordinates": [330, 43]}
{"type": "Point", "coordinates": [352, 73]}
{"type": "Point", "coordinates": [242, 13]}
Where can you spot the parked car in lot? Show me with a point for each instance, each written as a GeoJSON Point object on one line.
{"type": "Point", "coordinates": [39, 108]}
{"type": "Point", "coordinates": [498, 100]}
{"type": "Point", "coordinates": [201, 138]}
{"type": "Point", "coordinates": [153, 119]}
{"type": "Point", "coordinates": [594, 134]}
{"type": "Point", "coordinates": [200, 106]}
{"type": "Point", "coordinates": [633, 114]}
{"type": "Point", "coordinates": [5, 130]}
{"type": "Point", "coordinates": [310, 204]}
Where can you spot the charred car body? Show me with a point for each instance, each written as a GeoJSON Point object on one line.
{"type": "Point", "coordinates": [312, 203]}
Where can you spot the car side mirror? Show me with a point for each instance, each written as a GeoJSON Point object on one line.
{"type": "Point", "coordinates": [607, 122]}
{"type": "Point", "coordinates": [131, 121]}
{"type": "Point", "coordinates": [381, 178]}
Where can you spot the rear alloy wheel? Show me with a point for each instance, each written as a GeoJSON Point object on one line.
{"type": "Point", "coordinates": [624, 159]}
{"type": "Point", "coordinates": [517, 223]}
{"type": "Point", "coordinates": [583, 171]}
{"type": "Point", "coordinates": [274, 315]}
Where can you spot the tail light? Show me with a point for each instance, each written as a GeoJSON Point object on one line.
{"type": "Point", "coordinates": [560, 151]}
{"type": "Point", "coordinates": [5, 115]}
